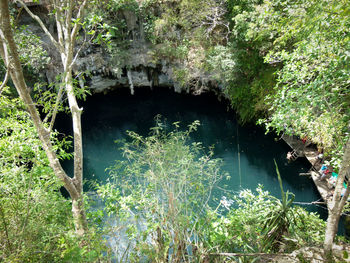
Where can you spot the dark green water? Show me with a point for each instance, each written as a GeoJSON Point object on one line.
{"type": "Point", "coordinates": [247, 152]}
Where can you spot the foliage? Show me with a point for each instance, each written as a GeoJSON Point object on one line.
{"type": "Point", "coordinates": [246, 229]}
{"type": "Point", "coordinates": [221, 63]}
{"type": "Point", "coordinates": [311, 96]}
{"type": "Point", "coordinates": [30, 47]}
{"type": "Point", "coordinates": [46, 96]}
{"type": "Point", "coordinates": [160, 198]}
{"type": "Point", "coordinates": [33, 56]}
{"type": "Point", "coordinates": [182, 33]}
{"type": "Point", "coordinates": [31, 210]}
{"type": "Point", "coordinates": [252, 79]}
{"type": "Point", "coordinates": [279, 219]}
{"type": "Point", "coordinates": [268, 224]}
{"type": "Point", "coordinates": [35, 219]}
{"type": "Point", "coordinates": [160, 194]}
{"type": "Point", "coordinates": [305, 43]}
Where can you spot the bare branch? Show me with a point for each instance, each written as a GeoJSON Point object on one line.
{"type": "Point", "coordinates": [36, 18]}
{"type": "Point", "coordinates": [6, 59]}
{"type": "Point", "coordinates": [80, 48]}
{"type": "Point", "coordinates": [4, 52]}
{"type": "Point", "coordinates": [215, 20]}
{"type": "Point", "coordinates": [58, 18]}
{"type": "Point", "coordinates": [4, 82]}
{"type": "Point", "coordinates": [345, 169]}
{"type": "Point", "coordinates": [68, 20]}
{"type": "Point", "coordinates": [54, 114]}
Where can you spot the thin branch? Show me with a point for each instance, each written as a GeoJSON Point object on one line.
{"type": "Point", "coordinates": [6, 60]}
{"type": "Point", "coordinates": [80, 48]}
{"type": "Point", "coordinates": [4, 48]}
{"type": "Point", "coordinates": [76, 27]}
{"type": "Point", "coordinates": [19, 14]}
{"type": "Point", "coordinates": [346, 168]}
{"type": "Point", "coordinates": [68, 19]}
{"type": "Point", "coordinates": [36, 18]}
{"type": "Point", "coordinates": [58, 99]}
{"type": "Point", "coordinates": [4, 82]}
{"type": "Point", "coordinates": [58, 17]}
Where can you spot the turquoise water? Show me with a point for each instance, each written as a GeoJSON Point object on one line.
{"type": "Point", "coordinates": [247, 152]}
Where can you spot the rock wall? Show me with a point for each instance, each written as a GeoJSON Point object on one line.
{"type": "Point", "coordinates": [104, 71]}
{"type": "Point", "coordinates": [138, 71]}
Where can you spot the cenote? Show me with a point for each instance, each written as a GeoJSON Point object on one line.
{"type": "Point", "coordinates": [247, 153]}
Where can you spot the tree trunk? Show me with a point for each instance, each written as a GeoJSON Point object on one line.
{"type": "Point", "coordinates": [73, 185]}
{"type": "Point", "coordinates": [331, 229]}
{"type": "Point", "coordinates": [79, 216]}
{"type": "Point", "coordinates": [77, 202]}
{"type": "Point", "coordinates": [336, 206]}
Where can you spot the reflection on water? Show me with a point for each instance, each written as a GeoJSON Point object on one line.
{"type": "Point", "coordinates": [247, 152]}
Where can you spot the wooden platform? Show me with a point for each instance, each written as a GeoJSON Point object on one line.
{"type": "Point", "coordinates": [322, 187]}
{"type": "Point", "coordinates": [310, 153]}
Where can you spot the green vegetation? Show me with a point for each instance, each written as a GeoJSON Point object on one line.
{"type": "Point", "coordinates": [161, 197]}
{"type": "Point", "coordinates": [35, 219]}
{"type": "Point", "coordinates": [282, 63]}
{"type": "Point", "coordinates": [164, 187]}
{"type": "Point", "coordinates": [311, 98]}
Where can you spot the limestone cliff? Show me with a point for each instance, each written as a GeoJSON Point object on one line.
{"type": "Point", "coordinates": [104, 70]}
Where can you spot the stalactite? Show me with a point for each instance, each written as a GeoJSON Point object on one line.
{"type": "Point", "coordinates": [130, 82]}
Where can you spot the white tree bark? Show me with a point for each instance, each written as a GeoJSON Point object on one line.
{"type": "Point", "coordinates": [65, 44]}
{"type": "Point", "coordinates": [336, 206]}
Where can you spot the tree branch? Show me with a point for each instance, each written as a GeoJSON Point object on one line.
{"type": "Point", "coordinates": [77, 24]}
{"type": "Point", "coordinates": [36, 18]}
{"type": "Point", "coordinates": [58, 99]}
{"type": "Point", "coordinates": [6, 59]}
{"type": "Point", "coordinates": [3, 50]}
{"type": "Point", "coordinates": [58, 18]}
{"type": "Point", "coordinates": [68, 19]}
{"type": "Point", "coordinates": [4, 82]}
{"type": "Point", "coordinates": [77, 53]}
{"type": "Point", "coordinates": [346, 170]}
{"type": "Point", "coordinates": [15, 70]}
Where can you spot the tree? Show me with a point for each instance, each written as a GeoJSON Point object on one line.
{"type": "Point", "coordinates": [336, 206]}
{"type": "Point", "coordinates": [34, 216]}
{"type": "Point", "coordinates": [305, 41]}
{"type": "Point", "coordinates": [67, 30]}
{"type": "Point", "coordinates": [161, 193]}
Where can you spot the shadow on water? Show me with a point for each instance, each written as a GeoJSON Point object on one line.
{"type": "Point", "coordinates": [246, 151]}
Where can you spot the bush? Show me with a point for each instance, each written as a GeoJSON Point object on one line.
{"type": "Point", "coordinates": [161, 195]}
{"type": "Point", "coordinates": [160, 200]}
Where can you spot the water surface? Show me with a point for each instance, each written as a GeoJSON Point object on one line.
{"type": "Point", "coordinates": [248, 153]}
